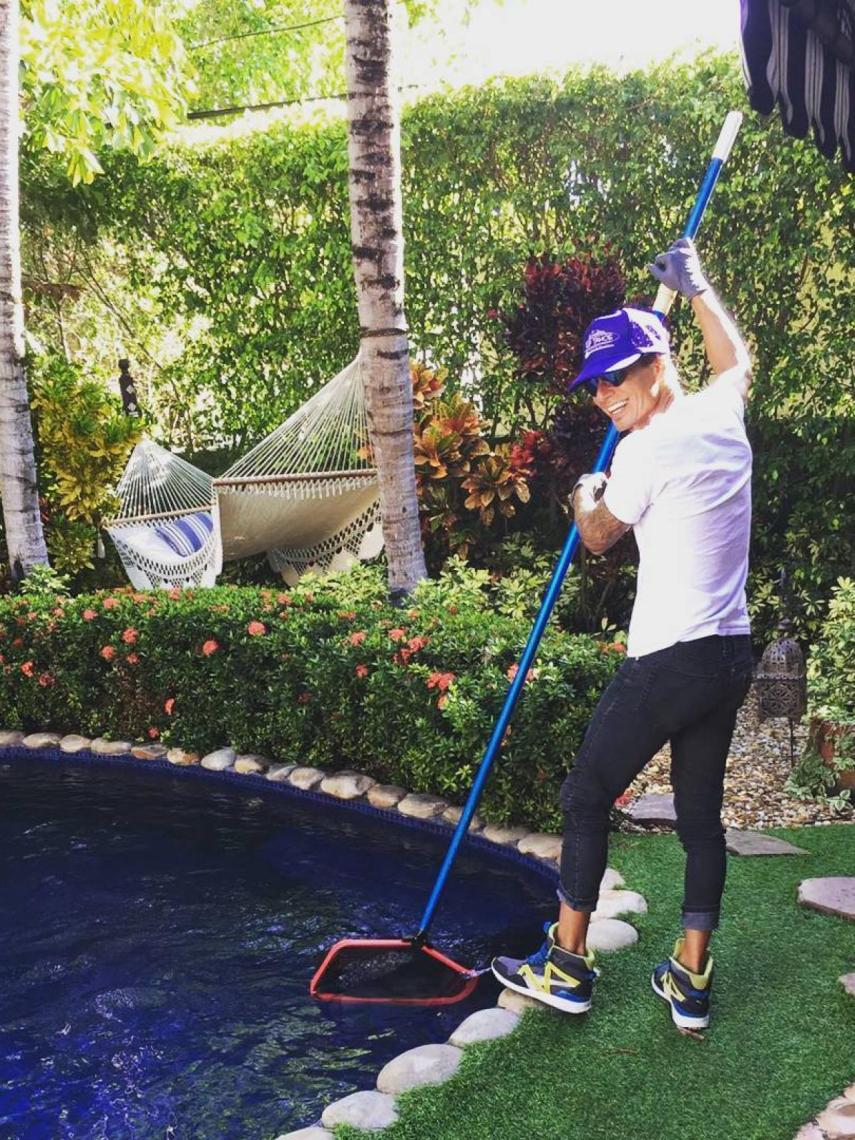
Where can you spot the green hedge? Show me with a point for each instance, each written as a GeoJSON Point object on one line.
{"type": "Point", "coordinates": [327, 674]}
{"type": "Point", "coordinates": [241, 246]}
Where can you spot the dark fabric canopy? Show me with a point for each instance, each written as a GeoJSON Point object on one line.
{"type": "Point", "coordinates": [800, 54]}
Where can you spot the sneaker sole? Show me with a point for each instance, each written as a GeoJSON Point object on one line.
{"type": "Point", "coordinates": [681, 1020]}
{"type": "Point", "coordinates": [546, 999]}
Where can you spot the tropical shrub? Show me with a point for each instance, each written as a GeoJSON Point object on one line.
{"type": "Point", "coordinates": [328, 673]}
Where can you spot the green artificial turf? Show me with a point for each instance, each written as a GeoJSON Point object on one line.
{"type": "Point", "coordinates": [781, 1044]}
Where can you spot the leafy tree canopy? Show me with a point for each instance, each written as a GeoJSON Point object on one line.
{"type": "Point", "coordinates": [100, 74]}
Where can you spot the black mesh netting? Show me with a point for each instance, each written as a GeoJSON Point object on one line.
{"type": "Point", "coordinates": [408, 973]}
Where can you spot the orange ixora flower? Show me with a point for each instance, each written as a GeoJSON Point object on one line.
{"type": "Point", "coordinates": [283, 599]}
{"type": "Point", "coordinates": [130, 636]}
{"type": "Point", "coordinates": [27, 668]}
{"type": "Point", "coordinates": [530, 676]}
{"type": "Point", "coordinates": [88, 615]}
{"type": "Point", "coordinates": [46, 680]}
{"type": "Point", "coordinates": [440, 681]}
{"type": "Point", "coordinates": [153, 733]}
{"type": "Point", "coordinates": [110, 603]}
{"type": "Point", "coordinates": [358, 637]}
{"type": "Point", "coordinates": [133, 658]}
{"type": "Point", "coordinates": [108, 652]}
{"type": "Point", "coordinates": [255, 628]}
{"type": "Point", "coordinates": [210, 647]}
{"type": "Point", "coordinates": [169, 705]}
{"type": "Point", "coordinates": [397, 634]}
{"type": "Point", "coordinates": [361, 670]}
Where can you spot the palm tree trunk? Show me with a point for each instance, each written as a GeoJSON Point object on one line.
{"type": "Point", "coordinates": [374, 185]}
{"type": "Point", "coordinates": [18, 490]}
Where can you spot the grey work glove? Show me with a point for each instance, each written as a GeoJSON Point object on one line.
{"type": "Point", "coordinates": [680, 269]}
{"type": "Point", "coordinates": [594, 484]}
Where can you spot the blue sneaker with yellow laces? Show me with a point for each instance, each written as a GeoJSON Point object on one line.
{"type": "Point", "coordinates": [551, 975]}
{"type": "Point", "coordinates": [687, 993]}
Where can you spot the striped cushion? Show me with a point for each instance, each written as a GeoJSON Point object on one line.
{"type": "Point", "coordinates": [187, 535]}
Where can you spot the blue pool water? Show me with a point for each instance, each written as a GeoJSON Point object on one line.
{"type": "Point", "coordinates": [157, 936]}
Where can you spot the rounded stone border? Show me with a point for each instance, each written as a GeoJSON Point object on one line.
{"type": "Point", "coordinates": [425, 1064]}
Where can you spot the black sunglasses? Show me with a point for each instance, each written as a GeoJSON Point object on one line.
{"type": "Point", "coordinates": [614, 378]}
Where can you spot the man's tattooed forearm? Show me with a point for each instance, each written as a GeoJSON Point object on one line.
{"type": "Point", "coordinates": [598, 527]}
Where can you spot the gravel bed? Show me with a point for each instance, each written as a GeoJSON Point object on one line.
{"type": "Point", "coordinates": [757, 770]}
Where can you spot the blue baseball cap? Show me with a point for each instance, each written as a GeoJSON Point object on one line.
{"type": "Point", "coordinates": [619, 339]}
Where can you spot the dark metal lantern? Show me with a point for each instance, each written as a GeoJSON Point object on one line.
{"type": "Point", "coordinates": [781, 679]}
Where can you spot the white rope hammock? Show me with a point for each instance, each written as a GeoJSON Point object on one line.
{"type": "Point", "coordinates": [306, 495]}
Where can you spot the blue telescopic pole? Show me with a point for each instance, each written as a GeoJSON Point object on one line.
{"type": "Point", "coordinates": [663, 301]}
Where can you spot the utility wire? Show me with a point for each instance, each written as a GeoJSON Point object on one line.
{"type": "Point", "coordinates": [267, 31]}
{"type": "Point", "coordinates": [216, 112]}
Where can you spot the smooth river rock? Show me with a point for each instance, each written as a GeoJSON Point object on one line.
{"type": "Point", "coordinates": [611, 880]}
{"type": "Point", "coordinates": [834, 895]}
{"type": "Point", "coordinates": [41, 739]}
{"type": "Point", "coordinates": [612, 903]}
{"type": "Point", "coordinates": [181, 758]}
{"type": "Point", "coordinates": [306, 778]}
{"type": "Point", "coordinates": [313, 1132]}
{"type": "Point", "coordinates": [10, 737]}
{"type": "Point", "coordinates": [507, 836]}
{"type": "Point", "coordinates": [517, 1003]}
{"type": "Point", "coordinates": [484, 1025]}
{"type": "Point", "coordinates": [424, 1065]}
{"type": "Point", "coordinates": [74, 743]}
{"type": "Point", "coordinates": [756, 843]}
{"type": "Point", "coordinates": [219, 760]}
{"type": "Point", "coordinates": [369, 1110]}
{"type": "Point", "coordinates": [453, 813]}
{"type": "Point", "coordinates": [279, 773]}
{"type": "Point", "coordinates": [837, 1119]}
{"type": "Point", "coordinates": [848, 983]}
{"type": "Point", "coordinates": [608, 934]}
{"type": "Point", "coordinates": [102, 747]}
{"type": "Point", "coordinates": [421, 806]}
{"type": "Point", "coordinates": [251, 764]}
{"type": "Point", "coordinates": [385, 796]}
{"type": "Point", "coordinates": [347, 785]}
{"type": "Point", "coordinates": [541, 846]}
{"type": "Point", "coordinates": [149, 751]}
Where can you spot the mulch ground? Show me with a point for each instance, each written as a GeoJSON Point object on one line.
{"type": "Point", "coordinates": [757, 770]}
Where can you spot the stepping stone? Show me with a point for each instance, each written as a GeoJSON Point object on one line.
{"type": "Point", "coordinates": [756, 843]}
{"type": "Point", "coordinates": [609, 934]}
{"type": "Point", "coordinates": [219, 760]}
{"type": "Point", "coordinates": [41, 740]}
{"type": "Point", "coordinates": [508, 836]}
{"type": "Point", "coordinates": [306, 778]}
{"type": "Point", "coordinates": [385, 795]}
{"type": "Point", "coordinates": [314, 1132]}
{"type": "Point", "coordinates": [102, 747]}
{"type": "Point", "coordinates": [835, 895]}
{"type": "Point", "coordinates": [517, 1003]}
{"type": "Point", "coordinates": [484, 1025]}
{"type": "Point", "coordinates": [837, 1119]}
{"type": "Point", "coordinates": [424, 1065]}
{"type": "Point", "coordinates": [148, 751]}
{"type": "Point", "coordinates": [181, 758]}
{"type": "Point", "coordinates": [611, 880]}
{"type": "Point", "coordinates": [369, 1110]}
{"type": "Point", "coordinates": [421, 806]}
{"type": "Point", "coordinates": [848, 983]}
{"type": "Point", "coordinates": [612, 903]}
{"type": "Point", "coordinates": [347, 786]}
{"type": "Point", "coordinates": [452, 815]}
{"type": "Point", "coordinates": [809, 1132]}
{"type": "Point", "coordinates": [74, 743]}
{"type": "Point", "coordinates": [10, 737]}
{"type": "Point", "coordinates": [541, 846]}
{"type": "Point", "coordinates": [653, 808]}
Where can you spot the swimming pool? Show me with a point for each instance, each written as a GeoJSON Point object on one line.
{"type": "Point", "coordinates": [159, 930]}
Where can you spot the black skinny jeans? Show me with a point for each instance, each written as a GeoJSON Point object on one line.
{"type": "Point", "coordinates": [687, 694]}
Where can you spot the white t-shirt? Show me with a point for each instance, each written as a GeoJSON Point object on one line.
{"type": "Point", "coordinates": [683, 482]}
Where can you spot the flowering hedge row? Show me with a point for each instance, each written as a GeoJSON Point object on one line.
{"type": "Point", "coordinates": [327, 674]}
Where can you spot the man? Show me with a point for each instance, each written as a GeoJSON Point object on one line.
{"type": "Point", "coordinates": [681, 479]}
